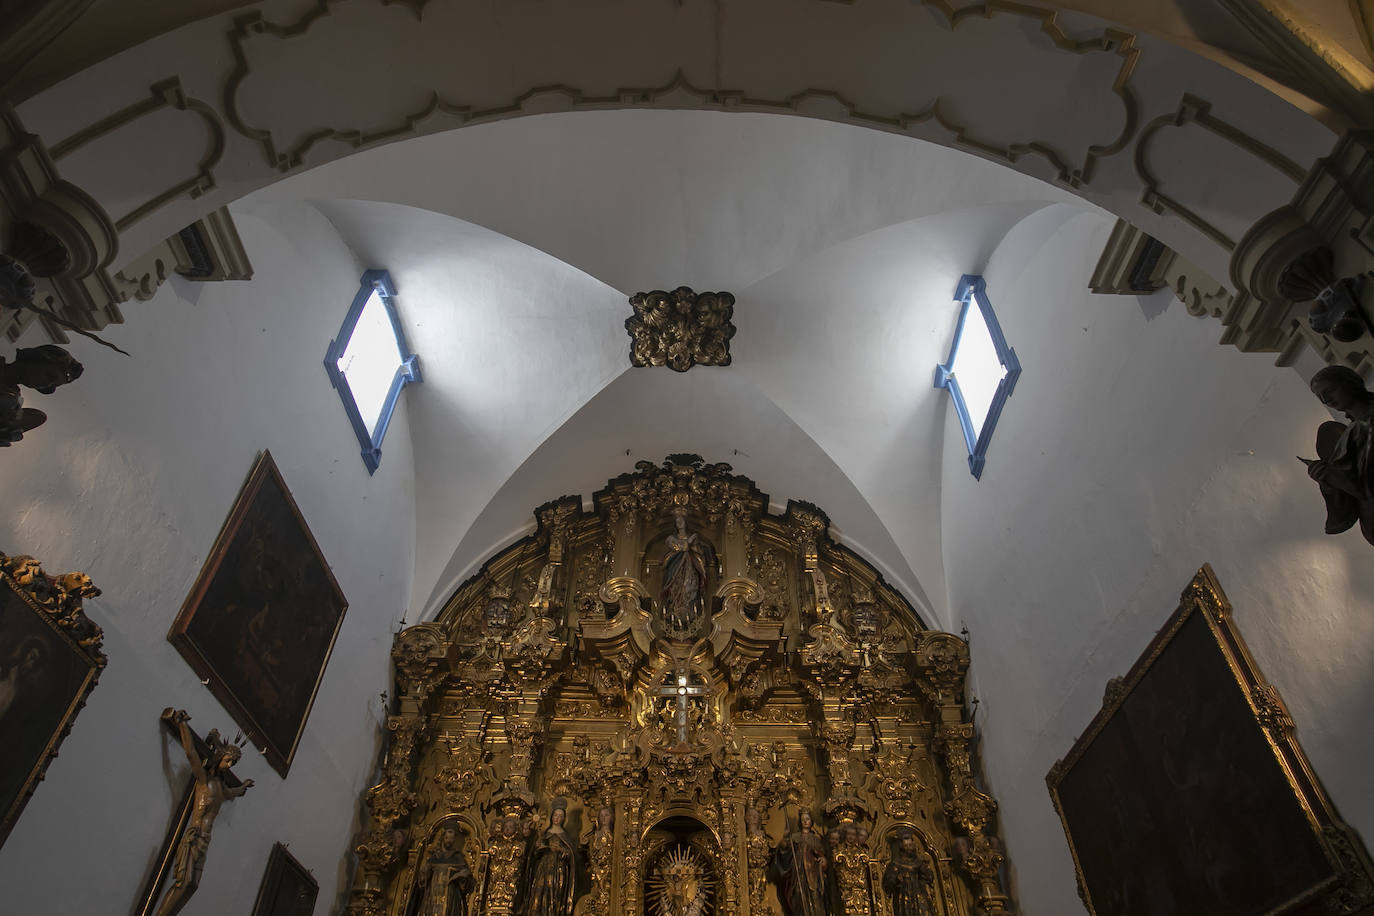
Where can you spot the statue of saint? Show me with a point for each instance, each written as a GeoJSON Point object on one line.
{"type": "Point", "coordinates": [684, 581]}
{"type": "Point", "coordinates": [41, 368]}
{"type": "Point", "coordinates": [550, 890]}
{"type": "Point", "coordinates": [760, 848]}
{"type": "Point", "coordinates": [601, 853]}
{"type": "Point", "coordinates": [1344, 468]}
{"type": "Point", "coordinates": [445, 878]}
{"type": "Point", "coordinates": [908, 877]}
{"type": "Point", "coordinates": [801, 866]}
{"type": "Point", "coordinates": [851, 870]}
{"type": "Point", "coordinates": [210, 794]}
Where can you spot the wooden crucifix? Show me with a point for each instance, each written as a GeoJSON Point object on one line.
{"type": "Point", "coordinates": [188, 838]}
{"type": "Point", "coordinates": [682, 691]}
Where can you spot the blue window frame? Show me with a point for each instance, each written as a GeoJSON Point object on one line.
{"type": "Point", "coordinates": [369, 363]}
{"type": "Point", "coordinates": [989, 370]}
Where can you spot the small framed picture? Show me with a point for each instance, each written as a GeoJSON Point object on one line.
{"type": "Point", "coordinates": [287, 888]}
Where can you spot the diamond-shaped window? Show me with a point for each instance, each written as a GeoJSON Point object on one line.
{"type": "Point", "coordinates": [981, 371]}
{"type": "Point", "coordinates": [369, 363]}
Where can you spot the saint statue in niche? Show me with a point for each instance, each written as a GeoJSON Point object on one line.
{"type": "Point", "coordinates": [908, 877]}
{"type": "Point", "coordinates": [681, 884]}
{"type": "Point", "coordinates": [683, 594]}
{"type": "Point", "coordinates": [601, 853]}
{"type": "Point", "coordinates": [801, 868]}
{"type": "Point", "coordinates": [550, 889]}
{"type": "Point", "coordinates": [1344, 468]}
{"type": "Point", "coordinates": [446, 878]}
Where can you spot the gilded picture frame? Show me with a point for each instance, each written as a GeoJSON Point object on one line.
{"type": "Point", "coordinates": [50, 660]}
{"type": "Point", "coordinates": [260, 623]}
{"type": "Point", "coordinates": [288, 888]}
{"type": "Point", "coordinates": [1189, 793]}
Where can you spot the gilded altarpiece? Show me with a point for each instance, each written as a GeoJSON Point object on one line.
{"type": "Point", "coordinates": [678, 704]}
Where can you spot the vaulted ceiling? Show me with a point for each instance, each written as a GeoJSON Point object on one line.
{"type": "Point", "coordinates": [516, 245]}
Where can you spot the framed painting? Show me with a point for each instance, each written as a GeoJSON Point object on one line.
{"type": "Point", "coordinates": [1188, 792]}
{"type": "Point", "coordinates": [261, 620]}
{"type": "Point", "coordinates": [50, 660]}
{"type": "Point", "coordinates": [287, 888]}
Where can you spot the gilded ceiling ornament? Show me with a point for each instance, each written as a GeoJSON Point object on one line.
{"type": "Point", "coordinates": [680, 329]}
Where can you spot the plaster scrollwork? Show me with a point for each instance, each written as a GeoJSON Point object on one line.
{"type": "Point", "coordinates": [1071, 168]}
{"type": "Point", "coordinates": [1194, 110]}
{"type": "Point", "coordinates": [1114, 41]}
{"type": "Point", "coordinates": [168, 93]}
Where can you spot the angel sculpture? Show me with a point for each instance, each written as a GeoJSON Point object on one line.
{"type": "Point", "coordinates": [1344, 468]}
{"type": "Point", "coordinates": [41, 368]}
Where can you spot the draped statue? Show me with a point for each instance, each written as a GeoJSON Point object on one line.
{"type": "Point", "coordinates": [550, 889]}
{"type": "Point", "coordinates": [684, 580]}
{"type": "Point", "coordinates": [446, 878]}
{"type": "Point", "coordinates": [908, 877]}
{"type": "Point", "coordinates": [801, 867]}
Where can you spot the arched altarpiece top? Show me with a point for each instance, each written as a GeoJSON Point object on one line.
{"type": "Point", "coordinates": [663, 684]}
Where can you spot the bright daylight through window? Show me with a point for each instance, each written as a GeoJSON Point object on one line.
{"type": "Point", "coordinates": [369, 363]}
{"type": "Point", "coordinates": [981, 371]}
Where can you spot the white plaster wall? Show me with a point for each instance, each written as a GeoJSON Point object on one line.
{"type": "Point", "coordinates": [130, 481]}
{"type": "Point", "coordinates": [1133, 451]}
{"type": "Point", "coordinates": [648, 414]}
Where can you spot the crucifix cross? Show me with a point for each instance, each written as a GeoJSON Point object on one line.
{"type": "Point", "coordinates": [682, 690]}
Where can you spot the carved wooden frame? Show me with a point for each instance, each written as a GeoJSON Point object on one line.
{"type": "Point", "coordinates": [1349, 888]}
{"type": "Point", "coordinates": [59, 614]}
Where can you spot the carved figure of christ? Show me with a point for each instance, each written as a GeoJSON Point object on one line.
{"type": "Point", "coordinates": [682, 691]}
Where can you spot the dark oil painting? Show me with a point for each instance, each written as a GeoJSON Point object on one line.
{"type": "Point", "coordinates": [1175, 800]}
{"type": "Point", "coordinates": [262, 618]}
{"type": "Point", "coordinates": [44, 679]}
{"type": "Point", "coordinates": [287, 889]}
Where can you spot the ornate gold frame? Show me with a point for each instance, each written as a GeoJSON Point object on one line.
{"type": "Point", "coordinates": [264, 470]}
{"type": "Point", "coordinates": [1350, 887]}
{"type": "Point", "coordinates": [57, 602]}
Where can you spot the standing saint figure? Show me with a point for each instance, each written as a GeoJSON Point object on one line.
{"type": "Point", "coordinates": [759, 849]}
{"type": "Point", "coordinates": [601, 853]}
{"type": "Point", "coordinates": [684, 580]}
{"type": "Point", "coordinates": [210, 794]}
{"type": "Point", "coordinates": [445, 878]}
{"type": "Point", "coordinates": [1344, 468]}
{"type": "Point", "coordinates": [551, 886]}
{"type": "Point", "coordinates": [801, 867]}
{"type": "Point", "coordinates": [907, 878]}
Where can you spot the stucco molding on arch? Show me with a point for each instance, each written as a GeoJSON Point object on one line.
{"type": "Point", "coordinates": [1194, 110]}
{"type": "Point", "coordinates": [1069, 168]}
{"type": "Point", "coordinates": [1056, 95]}
{"type": "Point", "coordinates": [166, 94]}
{"type": "Point", "coordinates": [1016, 90]}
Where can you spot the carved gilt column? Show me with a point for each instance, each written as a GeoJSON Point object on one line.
{"type": "Point", "coordinates": [421, 656]}
{"type": "Point", "coordinates": [942, 661]}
